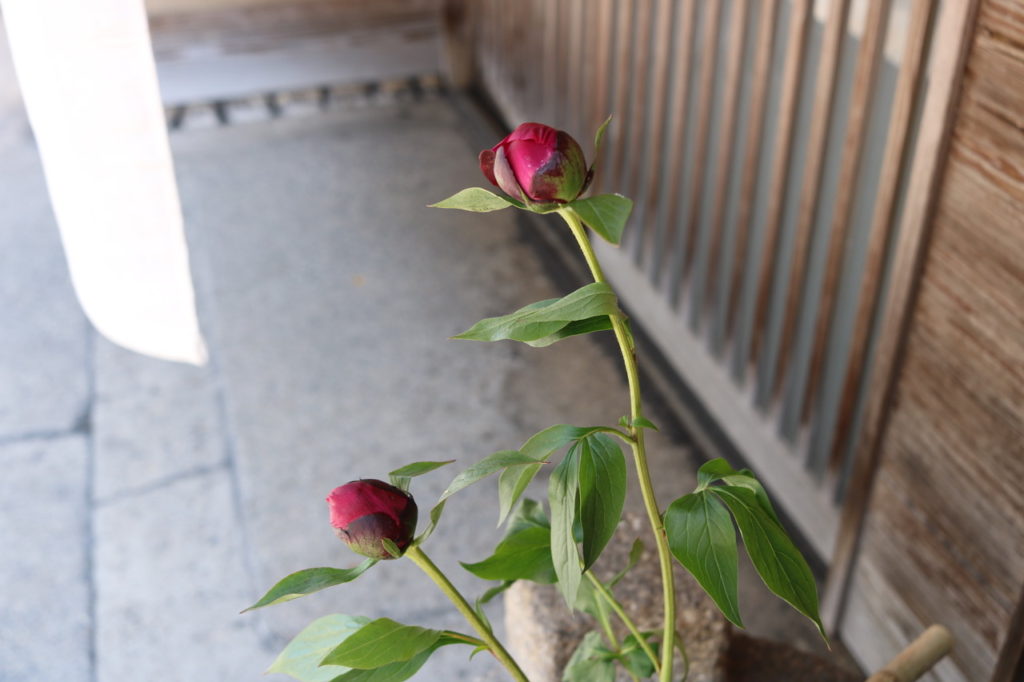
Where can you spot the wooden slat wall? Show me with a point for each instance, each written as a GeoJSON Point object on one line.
{"type": "Point", "coordinates": [785, 157]}
{"type": "Point", "coordinates": [749, 135]}
{"type": "Point", "coordinates": [944, 532]}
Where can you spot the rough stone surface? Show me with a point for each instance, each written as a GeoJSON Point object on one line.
{"type": "Point", "coordinates": [44, 570]}
{"type": "Point", "coordinates": [543, 634]}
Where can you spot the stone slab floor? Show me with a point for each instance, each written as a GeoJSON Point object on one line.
{"type": "Point", "coordinates": [143, 504]}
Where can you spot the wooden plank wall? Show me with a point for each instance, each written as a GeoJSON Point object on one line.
{"type": "Point", "coordinates": [944, 533]}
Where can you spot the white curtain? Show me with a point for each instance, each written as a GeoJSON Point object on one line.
{"type": "Point", "coordinates": [89, 83]}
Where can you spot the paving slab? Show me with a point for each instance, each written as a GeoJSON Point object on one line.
{"type": "Point", "coordinates": [44, 335]}
{"type": "Point", "coordinates": [152, 421]}
{"type": "Point", "coordinates": [170, 579]}
{"type": "Point", "coordinates": [45, 616]}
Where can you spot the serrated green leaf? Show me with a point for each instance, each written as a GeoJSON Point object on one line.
{"type": "Point", "coordinates": [402, 477]}
{"type": "Point", "coordinates": [477, 200]}
{"type": "Point", "coordinates": [301, 658]}
{"type": "Point", "coordinates": [489, 465]}
{"type": "Point", "coordinates": [594, 324]}
{"type": "Point", "coordinates": [308, 581]}
{"type": "Point", "coordinates": [523, 555]}
{"type": "Point", "coordinates": [605, 214]}
{"type": "Point", "coordinates": [590, 662]}
{"type": "Point", "coordinates": [700, 535]}
{"type": "Point", "coordinates": [777, 560]}
{"type": "Point", "coordinates": [381, 642]}
{"type": "Point", "coordinates": [563, 493]}
{"type": "Point", "coordinates": [544, 318]}
{"type": "Point", "coordinates": [602, 482]}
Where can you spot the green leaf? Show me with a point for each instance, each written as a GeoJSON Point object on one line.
{"type": "Point", "coordinates": [644, 423]}
{"type": "Point", "coordinates": [477, 200]}
{"type": "Point", "coordinates": [745, 479]}
{"type": "Point", "coordinates": [391, 548]}
{"type": "Point", "coordinates": [606, 214]}
{"type": "Point", "coordinates": [493, 592]}
{"type": "Point", "coordinates": [401, 476]}
{"type": "Point", "coordinates": [599, 136]}
{"type": "Point", "coordinates": [540, 446]}
{"type": "Point", "coordinates": [635, 552]}
{"type": "Point", "coordinates": [777, 560]}
{"type": "Point", "coordinates": [544, 318]}
{"type": "Point", "coordinates": [713, 470]}
{"type": "Point", "coordinates": [398, 671]}
{"type": "Point", "coordinates": [590, 662]}
{"type": "Point", "coordinates": [635, 659]}
{"type": "Point", "coordinates": [593, 324]}
{"type": "Point", "coordinates": [310, 580]}
{"type": "Point", "coordinates": [602, 482]}
{"type": "Point", "coordinates": [563, 490]}
{"type": "Point", "coordinates": [701, 537]}
{"type": "Point", "coordinates": [435, 516]}
{"type": "Point", "coordinates": [523, 555]}
{"type": "Point", "coordinates": [381, 642]}
{"type": "Point", "coordinates": [491, 464]}
{"type": "Point", "coordinates": [301, 658]}
{"type": "Point", "coordinates": [512, 482]}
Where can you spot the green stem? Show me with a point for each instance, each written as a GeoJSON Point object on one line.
{"type": "Point", "coordinates": [639, 452]}
{"type": "Point", "coordinates": [419, 558]}
{"type": "Point", "coordinates": [610, 599]}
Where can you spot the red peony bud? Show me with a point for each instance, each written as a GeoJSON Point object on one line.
{"type": "Point", "coordinates": [366, 511]}
{"type": "Point", "coordinates": [538, 162]}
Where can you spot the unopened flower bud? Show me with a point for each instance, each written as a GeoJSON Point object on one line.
{"type": "Point", "coordinates": [367, 511]}
{"type": "Point", "coordinates": [537, 163]}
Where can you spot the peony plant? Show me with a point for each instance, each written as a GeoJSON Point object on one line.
{"type": "Point", "coordinates": [540, 169]}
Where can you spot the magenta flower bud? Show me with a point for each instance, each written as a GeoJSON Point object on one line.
{"type": "Point", "coordinates": [366, 511]}
{"type": "Point", "coordinates": [537, 162]}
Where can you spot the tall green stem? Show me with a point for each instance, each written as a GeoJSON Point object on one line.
{"type": "Point", "coordinates": [639, 452]}
{"type": "Point", "coordinates": [419, 558]}
{"type": "Point", "coordinates": [610, 600]}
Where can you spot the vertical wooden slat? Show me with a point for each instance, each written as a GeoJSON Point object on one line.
{"type": "Point", "coordinates": [864, 89]}
{"type": "Point", "coordinates": [682, 250]}
{"type": "Point", "coordinates": [572, 34]}
{"type": "Point", "coordinates": [653, 151]}
{"type": "Point", "coordinates": [600, 76]}
{"type": "Point", "coordinates": [551, 64]}
{"type": "Point", "coordinates": [896, 148]}
{"type": "Point", "coordinates": [727, 136]}
{"type": "Point", "coordinates": [665, 222]}
{"type": "Point", "coordinates": [752, 159]}
{"type": "Point", "coordinates": [585, 60]}
{"type": "Point", "coordinates": [952, 37]}
{"type": "Point", "coordinates": [824, 97]}
{"type": "Point", "coordinates": [638, 128]}
{"type": "Point", "coordinates": [623, 78]}
{"type": "Point", "coordinates": [799, 25]}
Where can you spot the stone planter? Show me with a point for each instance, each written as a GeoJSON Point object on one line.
{"type": "Point", "coordinates": [542, 633]}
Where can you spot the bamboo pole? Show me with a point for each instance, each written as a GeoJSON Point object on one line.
{"type": "Point", "coordinates": [918, 658]}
